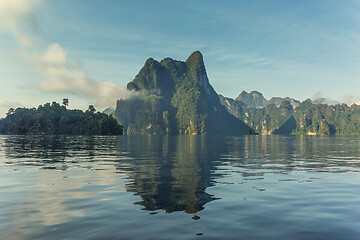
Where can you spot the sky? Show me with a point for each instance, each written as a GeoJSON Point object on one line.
{"type": "Point", "coordinates": [87, 50]}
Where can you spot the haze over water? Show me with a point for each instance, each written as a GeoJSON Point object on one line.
{"type": "Point", "coordinates": [179, 187]}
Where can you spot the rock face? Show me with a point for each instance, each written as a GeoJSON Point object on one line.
{"type": "Point", "coordinates": [267, 120]}
{"type": "Point", "coordinates": [254, 99]}
{"type": "Point", "coordinates": [176, 97]}
{"type": "Point", "coordinates": [307, 119]}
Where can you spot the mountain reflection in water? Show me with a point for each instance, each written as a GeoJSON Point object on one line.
{"type": "Point", "coordinates": [168, 173]}
{"type": "Point", "coordinates": [76, 186]}
{"type": "Point", "coordinates": [174, 176]}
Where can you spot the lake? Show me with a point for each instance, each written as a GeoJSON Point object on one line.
{"type": "Point", "coordinates": [179, 187]}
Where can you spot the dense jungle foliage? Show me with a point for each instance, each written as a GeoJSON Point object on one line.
{"type": "Point", "coordinates": [306, 119]}
{"type": "Point", "coordinates": [56, 119]}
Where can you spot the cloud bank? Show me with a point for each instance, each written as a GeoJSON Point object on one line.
{"type": "Point", "coordinates": [19, 17]}
{"type": "Point", "coordinates": [64, 77]}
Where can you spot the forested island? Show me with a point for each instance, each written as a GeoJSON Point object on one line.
{"type": "Point", "coordinates": [56, 119]}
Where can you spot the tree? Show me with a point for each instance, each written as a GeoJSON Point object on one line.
{"type": "Point", "coordinates": [11, 111]}
{"type": "Point", "coordinates": [65, 102]}
{"type": "Point", "coordinates": [92, 109]}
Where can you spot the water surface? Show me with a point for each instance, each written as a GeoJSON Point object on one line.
{"type": "Point", "coordinates": [179, 187]}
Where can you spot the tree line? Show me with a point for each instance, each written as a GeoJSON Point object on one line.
{"type": "Point", "coordinates": [56, 119]}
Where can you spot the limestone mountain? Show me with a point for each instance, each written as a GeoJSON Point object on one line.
{"type": "Point", "coordinates": [175, 97]}
{"type": "Point", "coordinates": [307, 119]}
{"type": "Point", "coordinates": [254, 99]}
{"type": "Point", "coordinates": [267, 120]}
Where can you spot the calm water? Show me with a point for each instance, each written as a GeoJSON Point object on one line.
{"type": "Point", "coordinates": [179, 187]}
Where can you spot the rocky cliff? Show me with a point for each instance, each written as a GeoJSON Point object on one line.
{"type": "Point", "coordinates": [176, 97]}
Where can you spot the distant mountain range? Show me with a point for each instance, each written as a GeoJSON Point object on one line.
{"type": "Point", "coordinates": [255, 99]}
{"type": "Point", "coordinates": [175, 97]}
{"type": "Point", "coordinates": [308, 118]}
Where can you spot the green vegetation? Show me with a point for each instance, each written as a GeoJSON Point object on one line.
{"type": "Point", "coordinates": [176, 97]}
{"type": "Point", "coordinates": [306, 119]}
{"type": "Point", "coordinates": [56, 119]}
{"type": "Point", "coordinates": [187, 100]}
{"type": "Point", "coordinates": [145, 114]}
{"type": "Point", "coordinates": [263, 120]}
{"type": "Point", "coordinates": [327, 119]}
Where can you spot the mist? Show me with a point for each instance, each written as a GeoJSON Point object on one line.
{"type": "Point", "coordinates": [319, 99]}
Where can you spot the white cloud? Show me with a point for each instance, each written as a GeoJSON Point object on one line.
{"type": "Point", "coordinates": [19, 17]}
{"type": "Point", "coordinates": [65, 77]}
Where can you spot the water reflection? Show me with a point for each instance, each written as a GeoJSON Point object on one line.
{"type": "Point", "coordinates": [284, 155]}
{"type": "Point", "coordinates": [50, 196]}
{"type": "Point", "coordinates": [171, 173]}
{"type": "Point", "coordinates": [52, 183]}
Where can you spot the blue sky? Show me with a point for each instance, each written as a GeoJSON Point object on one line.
{"type": "Point", "coordinates": [280, 48]}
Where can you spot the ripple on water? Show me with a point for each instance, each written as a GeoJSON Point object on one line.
{"type": "Point", "coordinates": [179, 187]}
